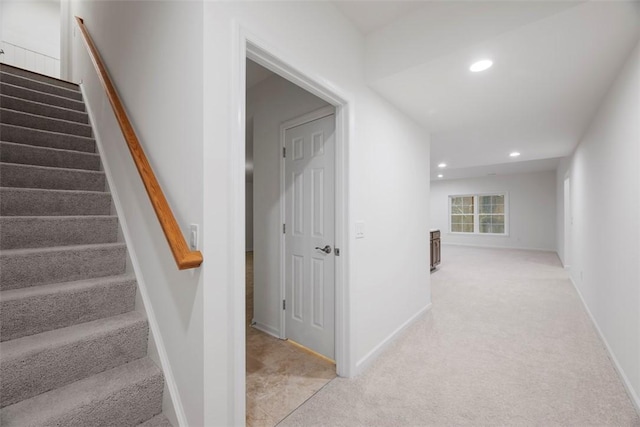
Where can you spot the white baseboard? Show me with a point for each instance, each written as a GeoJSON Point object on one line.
{"type": "Point", "coordinates": [363, 363]}
{"type": "Point", "coordinates": [519, 248]}
{"type": "Point", "coordinates": [176, 412]}
{"type": "Point", "coordinates": [266, 329]}
{"type": "Point", "coordinates": [627, 384]}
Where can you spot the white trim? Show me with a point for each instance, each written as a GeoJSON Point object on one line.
{"type": "Point", "coordinates": [519, 248]}
{"type": "Point", "coordinates": [142, 286]}
{"type": "Point", "coordinates": [627, 384]}
{"type": "Point", "coordinates": [377, 350]}
{"type": "Point", "coordinates": [289, 124]}
{"type": "Point", "coordinates": [267, 329]}
{"type": "Point", "coordinates": [269, 56]}
{"type": "Point", "coordinates": [236, 296]}
{"type": "Point", "coordinates": [248, 45]}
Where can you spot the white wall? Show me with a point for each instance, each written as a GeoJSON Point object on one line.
{"type": "Point", "coordinates": [605, 234]}
{"type": "Point", "coordinates": [270, 103]}
{"type": "Point", "coordinates": [138, 42]}
{"type": "Point", "coordinates": [30, 32]}
{"type": "Point", "coordinates": [388, 168]}
{"type": "Point", "coordinates": [532, 209]}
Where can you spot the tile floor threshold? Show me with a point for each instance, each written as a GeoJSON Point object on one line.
{"type": "Point", "coordinates": [281, 376]}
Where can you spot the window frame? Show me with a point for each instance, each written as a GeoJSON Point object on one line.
{"type": "Point", "coordinates": [476, 214]}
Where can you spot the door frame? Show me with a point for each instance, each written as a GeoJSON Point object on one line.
{"type": "Point", "coordinates": [329, 110]}
{"type": "Point", "coordinates": [251, 46]}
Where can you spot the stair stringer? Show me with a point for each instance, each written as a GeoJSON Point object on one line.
{"type": "Point", "coordinates": [171, 403]}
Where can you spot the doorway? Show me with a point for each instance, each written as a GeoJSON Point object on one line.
{"type": "Point", "coordinates": [309, 253]}
{"type": "Point", "coordinates": [280, 375]}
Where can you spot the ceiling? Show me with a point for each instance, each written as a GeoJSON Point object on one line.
{"type": "Point", "coordinates": [553, 64]}
{"type": "Point", "coordinates": [368, 16]}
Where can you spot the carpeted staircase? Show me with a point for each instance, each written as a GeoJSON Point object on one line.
{"type": "Point", "coordinates": [73, 349]}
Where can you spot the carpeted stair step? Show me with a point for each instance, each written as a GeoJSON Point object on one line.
{"type": "Point", "coordinates": [27, 176]}
{"type": "Point", "coordinates": [32, 121]}
{"type": "Point", "coordinates": [35, 202]}
{"type": "Point", "coordinates": [39, 363]}
{"type": "Point", "coordinates": [42, 156]}
{"type": "Point", "coordinates": [38, 108]}
{"type": "Point", "coordinates": [124, 396]}
{"type": "Point", "coordinates": [157, 421]}
{"type": "Point", "coordinates": [39, 77]}
{"type": "Point", "coordinates": [42, 97]}
{"type": "Point", "coordinates": [29, 83]}
{"type": "Point", "coordinates": [37, 309]}
{"type": "Point", "coordinates": [20, 268]}
{"type": "Point", "coordinates": [21, 232]}
{"type": "Point", "coordinates": [42, 138]}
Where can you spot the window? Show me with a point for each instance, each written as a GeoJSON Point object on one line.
{"type": "Point", "coordinates": [478, 214]}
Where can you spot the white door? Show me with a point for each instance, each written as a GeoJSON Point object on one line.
{"type": "Point", "coordinates": [309, 235]}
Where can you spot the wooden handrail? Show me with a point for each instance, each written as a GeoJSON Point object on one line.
{"type": "Point", "coordinates": [185, 258]}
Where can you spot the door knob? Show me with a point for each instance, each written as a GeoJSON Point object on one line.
{"type": "Point", "coordinates": [326, 249]}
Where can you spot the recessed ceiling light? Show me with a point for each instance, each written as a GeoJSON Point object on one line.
{"type": "Point", "coordinates": [442, 165]}
{"type": "Point", "coordinates": [514, 154]}
{"type": "Point", "coordinates": [440, 176]}
{"type": "Point", "coordinates": [481, 65]}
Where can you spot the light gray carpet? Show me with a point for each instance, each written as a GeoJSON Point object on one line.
{"type": "Point", "coordinates": [507, 342]}
{"type": "Point", "coordinates": [72, 348]}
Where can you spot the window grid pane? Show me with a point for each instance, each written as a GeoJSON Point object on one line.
{"type": "Point", "coordinates": [490, 214]}
{"type": "Point", "coordinates": [462, 214]}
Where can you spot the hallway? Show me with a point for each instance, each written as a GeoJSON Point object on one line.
{"type": "Point", "coordinates": [507, 342]}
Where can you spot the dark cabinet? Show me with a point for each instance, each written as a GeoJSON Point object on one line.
{"type": "Point", "coordinates": [435, 248]}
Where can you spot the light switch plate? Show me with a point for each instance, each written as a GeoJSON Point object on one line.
{"type": "Point", "coordinates": [193, 237]}
{"type": "Point", "coordinates": [359, 229]}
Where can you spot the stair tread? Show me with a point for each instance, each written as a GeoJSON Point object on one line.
{"type": "Point", "coordinates": [56, 403]}
{"type": "Point", "coordinates": [44, 123]}
{"type": "Point", "coordinates": [52, 190]}
{"type": "Point", "coordinates": [57, 337]}
{"type": "Point", "coordinates": [33, 291]}
{"type": "Point", "coordinates": [51, 149]}
{"type": "Point", "coordinates": [11, 69]}
{"type": "Point", "coordinates": [86, 125]}
{"type": "Point", "coordinates": [42, 104]}
{"type": "Point", "coordinates": [43, 92]}
{"type": "Point", "coordinates": [12, 252]}
{"type": "Point", "coordinates": [87, 138]}
{"type": "Point", "coordinates": [26, 93]}
{"type": "Point", "coordinates": [77, 89]}
{"type": "Point", "coordinates": [27, 82]}
{"type": "Point", "coordinates": [55, 218]}
{"type": "Point", "coordinates": [24, 154]}
{"type": "Point", "coordinates": [52, 168]}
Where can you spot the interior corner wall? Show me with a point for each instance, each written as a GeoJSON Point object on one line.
{"type": "Point", "coordinates": [270, 103]}
{"type": "Point", "coordinates": [605, 233]}
{"type": "Point", "coordinates": [163, 97]}
{"type": "Point", "coordinates": [33, 25]}
{"type": "Point", "coordinates": [387, 179]}
{"type": "Point", "coordinates": [30, 34]}
{"type": "Point", "coordinates": [532, 209]}
{"type": "Point", "coordinates": [561, 174]}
